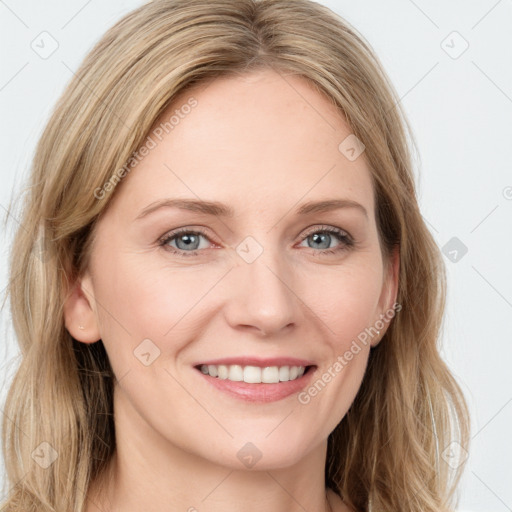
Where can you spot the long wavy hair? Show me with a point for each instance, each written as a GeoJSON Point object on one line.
{"type": "Point", "coordinates": [393, 450]}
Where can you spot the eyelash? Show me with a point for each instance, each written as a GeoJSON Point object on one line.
{"type": "Point", "coordinates": [346, 240]}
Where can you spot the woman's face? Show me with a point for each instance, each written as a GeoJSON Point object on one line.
{"type": "Point", "coordinates": [258, 275]}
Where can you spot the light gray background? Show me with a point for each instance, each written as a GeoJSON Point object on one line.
{"type": "Point", "coordinates": [460, 108]}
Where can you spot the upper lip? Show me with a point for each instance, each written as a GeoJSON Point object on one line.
{"type": "Point", "coordinates": [258, 361]}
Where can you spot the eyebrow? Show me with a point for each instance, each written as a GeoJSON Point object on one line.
{"type": "Point", "coordinates": [217, 209]}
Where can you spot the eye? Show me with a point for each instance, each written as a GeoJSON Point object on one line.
{"type": "Point", "coordinates": [323, 236]}
{"type": "Point", "coordinates": [187, 241]}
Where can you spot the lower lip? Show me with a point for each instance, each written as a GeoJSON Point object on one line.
{"type": "Point", "coordinates": [260, 392]}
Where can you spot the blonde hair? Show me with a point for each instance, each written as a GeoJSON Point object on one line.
{"type": "Point", "coordinates": [389, 447]}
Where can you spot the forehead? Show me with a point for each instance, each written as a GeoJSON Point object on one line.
{"type": "Point", "coordinates": [264, 139]}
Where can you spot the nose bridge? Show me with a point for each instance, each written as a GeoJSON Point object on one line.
{"type": "Point", "coordinates": [263, 296]}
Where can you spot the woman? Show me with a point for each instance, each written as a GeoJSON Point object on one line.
{"type": "Point", "coordinates": [224, 288]}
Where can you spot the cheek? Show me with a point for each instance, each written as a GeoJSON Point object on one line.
{"type": "Point", "coordinates": [138, 301]}
{"type": "Point", "coordinates": [346, 298]}
{"type": "Point", "coordinates": [346, 309]}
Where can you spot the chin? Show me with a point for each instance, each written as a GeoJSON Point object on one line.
{"type": "Point", "coordinates": [260, 454]}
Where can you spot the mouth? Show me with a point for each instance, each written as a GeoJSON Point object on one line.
{"type": "Point", "coordinates": [257, 382]}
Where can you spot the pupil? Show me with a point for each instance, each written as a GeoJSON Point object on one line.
{"type": "Point", "coordinates": [187, 239]}
{"type": "Point", "coordinates": [317, 238]}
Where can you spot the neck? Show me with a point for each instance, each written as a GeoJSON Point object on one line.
{"type": "Point", "coordinates": [148, 472]}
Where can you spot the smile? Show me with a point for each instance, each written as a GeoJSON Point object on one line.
{"type": "Point", "coordinates": [257, 380]}
{"type": "Point", "coordinates": [253, 374]}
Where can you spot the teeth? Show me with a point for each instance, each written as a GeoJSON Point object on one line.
{"type": "Point", "coordinates": [270, 374]}
{"type": "Point", "coordinates": [254, 374]}
{"type": "Point", "coordinates": [222, 370]}
{"type": "Point", "coordinates": [236, 373]}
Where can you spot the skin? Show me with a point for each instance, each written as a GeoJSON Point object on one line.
{"type": "Point", "coordinates": [264, 144]}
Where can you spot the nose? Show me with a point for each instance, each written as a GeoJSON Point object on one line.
{"type": "Point", "coordinates": [261, 297]}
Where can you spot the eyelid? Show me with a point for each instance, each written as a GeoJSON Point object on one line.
{"type": "Point", "coordinates": [328, 228]}
{"type": "Point", "coordinates": [173, 233]}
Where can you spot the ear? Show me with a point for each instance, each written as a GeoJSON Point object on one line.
{"type": "Point", "coordinates": [79, 315]}
{"type": "Point", "coordinates": [389, 293]}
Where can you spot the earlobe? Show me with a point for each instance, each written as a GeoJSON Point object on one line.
{"type": "Point", "coordinates": [393, 280]}
{"type": "Point", "coordinates": [389, 295]}
{"type": "Point", "coordinates": [79, 315]}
